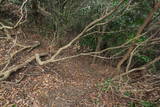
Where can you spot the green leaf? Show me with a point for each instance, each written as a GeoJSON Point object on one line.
{"type": "Point", "coordinates": [14, 105]}
{"type": "Point", "coordinates": [127, 93]}
{"type": "Point", "coordinates": [147, 104]}
{"type": "Point", "coordinates": [132, 104]}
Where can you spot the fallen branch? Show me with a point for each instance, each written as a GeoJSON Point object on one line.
{"type": "Point", "coordinates": [8, 62]}
{"type": "Point", "coordinates": [138, 45]}
{"type": "Point", "coordinates": [31, 47]}
{"type": "Point", "coordinates": [86, 29]}
{"type": "Point", "coordinates": [4, 75]}
{"type": "Point", "coordinates": [138, 68]}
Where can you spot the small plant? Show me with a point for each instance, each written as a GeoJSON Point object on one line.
{"type": "Point", "coordinates": [143, 58]}
{"type": "Point", "coordinates": [106, 84]}
{"type": "Point", "coordinates": [142, 104]}
{"type": "Point", "coordinates": [127, 93]}
{"type": "Point", "coordinates": [88, 42]}
{"type": "Point", "coordinates": [16, 1]}
{"type": "Point", "coordinates": [14, 105]}
{"type": "Point", "coordinates": [147, 104]}
{"type": "Point", "coordinates": [132, 104]}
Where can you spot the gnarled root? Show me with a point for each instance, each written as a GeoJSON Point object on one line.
{"type": "Point", "coordinates": [5, 74]}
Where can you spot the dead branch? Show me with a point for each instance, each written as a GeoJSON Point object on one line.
{"type": "Point", "coordinates": [139, 32]}
{"type": "Point", "coordinates": [134, 50]}
{"type": "Point", "coordinates": [4, 75]}
{"type": "Point", "coordinates": [125, 57]}
{"type": "Point", "coordinates": [121, 13]}
{"type": "Point", "coordinates": [138, 68]}
{"type": "Point", "coordinates": [8, 62]}
{"type": "Point", "coordinates": [31, 47]}
{"type": "Point", "coordinates": [43, 11]}
{"type": "Point", "coordinates": [124, 45]}
{"type": "Point", "coordinates": [107, 58]}
{"type": "Point", "coordinates": [6, 28]}
{"type": "Point", "coordinates": [79, 35]}
{"type": "Point", "coordinates": [18, 51]}
{"type": "Point", "coordinates": [22, 13]}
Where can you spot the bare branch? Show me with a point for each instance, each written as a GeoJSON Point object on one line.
{"type": "Point", "coordinates": [79, 35]}
{"type": "Point", "coordinates": [4, 75]}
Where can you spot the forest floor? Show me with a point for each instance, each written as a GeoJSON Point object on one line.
{"type": "Point", "coordinates": [70, 83]}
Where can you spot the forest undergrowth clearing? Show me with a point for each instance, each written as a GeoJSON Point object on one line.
{"type": "Point", "coordinates": [58, 84]}
{"type": "Point", "coordinates": [69, 83]}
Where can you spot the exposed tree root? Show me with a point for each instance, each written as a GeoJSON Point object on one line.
{"type": "Point", "coordinates": [4, 75]}
{"type": "Point", "coordinates": [7, 71]}
{"type": "Point", "coordinates": [30, 47]}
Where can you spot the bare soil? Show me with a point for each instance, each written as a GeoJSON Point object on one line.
{"type": "Point", "coordinates": [71, 83]}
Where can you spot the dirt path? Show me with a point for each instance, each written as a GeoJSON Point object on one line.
{"type": "Point", "coordinates": [71, 83]}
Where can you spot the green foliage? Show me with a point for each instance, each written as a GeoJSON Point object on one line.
{"type": "Point", "coordinates": [106, 84]}
{"type": "Point", "coordinates": [88, 41]}
{"type": "Point", "coordinates": [18, 2]}
{"type": "Point", "coordinates": [74, 15]}
{"type": "Point", "coordinates": [127, 93]}
{"type": "Point", "coordinates": [142, 39]}
{"type": "Point", "coordinates": [143, 58]}
{"type": "Point", "coordinates": [132, 104]}
{"type": "Point", "coordinates": [14, 105]}
{"type": "Point", "coordinates": [147, 104]}
{"type": "Point", "coordinates": [87, 13]}
{"type": "Point", "coordinates": [129, 21]}
{"type": "Point", "coordinates": [142, 104]}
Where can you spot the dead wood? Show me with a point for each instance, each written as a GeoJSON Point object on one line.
{"type": "Point", "coordinates": [89, 27]}
{"type": "Point", "coordinates": [4, 75]}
